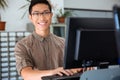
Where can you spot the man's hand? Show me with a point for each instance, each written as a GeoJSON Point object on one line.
{"type": "Point", "coordinates": [60, 71]}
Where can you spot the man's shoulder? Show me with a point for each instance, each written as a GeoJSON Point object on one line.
{"type": "Point", "coordinates": [57, 38]}
{"type": "Point", "coordinates": [60, 41]}
{"type": "Point", "coordinates": [26, 40]}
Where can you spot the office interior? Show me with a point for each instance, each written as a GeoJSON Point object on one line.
{"type": "Point", "coordinates": [18, 27]}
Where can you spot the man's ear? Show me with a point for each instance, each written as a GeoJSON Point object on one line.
{"type": "Point", "coordinates": [30, 17]}
{"type": "Point", "coordinates": [51, 14]}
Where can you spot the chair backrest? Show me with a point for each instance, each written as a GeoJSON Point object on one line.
{"type": "Point", "coordinates": [102, 74]}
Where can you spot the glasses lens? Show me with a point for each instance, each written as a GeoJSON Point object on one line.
{"type": "Point", "coordinates": [37, 14]}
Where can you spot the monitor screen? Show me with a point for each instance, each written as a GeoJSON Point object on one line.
{"type": "Point", "coordinates": [90, 42]}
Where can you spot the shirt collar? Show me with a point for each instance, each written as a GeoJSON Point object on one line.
{"type": "Point", "coordinates": [40, 37]}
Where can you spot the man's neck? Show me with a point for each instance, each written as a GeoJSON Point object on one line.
{"type": "Point", "coordinates": [43, 33]}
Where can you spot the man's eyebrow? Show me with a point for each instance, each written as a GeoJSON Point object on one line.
{"type": "Point", "coordinates": [47, 10]}
{"type": "Point", "coordinates": [35, 11]}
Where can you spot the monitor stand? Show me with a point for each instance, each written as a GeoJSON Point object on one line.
{"type": "Point", "coordinates": [100, 66]}
{"type": "Point", "coordinates": [103, 66]}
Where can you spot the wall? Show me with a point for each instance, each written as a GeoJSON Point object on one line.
{"type": "Point", "coordinates": [91, 4]}
{"type": "Point", "coordinates": [91, 8]}
{"type": "Point", "coordinates": [12, 15]}
{"type": "Point", "coordinates": [91, 13]}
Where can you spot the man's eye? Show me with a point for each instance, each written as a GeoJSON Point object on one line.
{"type": "Point", "coordinates": [35, 13]}
{"type": "Point", "coordinates": [46, 12]}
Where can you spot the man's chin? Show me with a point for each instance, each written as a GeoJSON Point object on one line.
{"type": "Point", "coordinates": [42, 29]}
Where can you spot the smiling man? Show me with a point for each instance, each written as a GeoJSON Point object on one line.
{"type": "Point", "coordinates": [41, 53]}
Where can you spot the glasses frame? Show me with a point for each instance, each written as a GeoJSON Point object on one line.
{"type": "Point", "coordinates": [38, 14]}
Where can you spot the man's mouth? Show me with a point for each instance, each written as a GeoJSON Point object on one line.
{"type": "Point", "coordinates": [42, 23]}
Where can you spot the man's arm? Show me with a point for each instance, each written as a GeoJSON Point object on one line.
{"type": "Point", "coordinates": [33, 74]}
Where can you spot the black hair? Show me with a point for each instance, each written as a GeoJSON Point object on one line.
{"type": "Point", "coordinates": [34, 2]}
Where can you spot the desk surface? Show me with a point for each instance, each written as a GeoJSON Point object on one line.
{"type": "Point", "coordinates": [56, 77]}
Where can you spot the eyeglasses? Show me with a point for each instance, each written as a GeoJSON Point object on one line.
{"type": "Point", "coordinates": [37, 14]}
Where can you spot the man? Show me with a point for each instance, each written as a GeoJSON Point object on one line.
{"type": "Point", "coordinates": [41, 53]}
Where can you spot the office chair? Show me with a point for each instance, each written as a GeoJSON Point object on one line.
{"type": "Point", "coordinates": [101, 74]}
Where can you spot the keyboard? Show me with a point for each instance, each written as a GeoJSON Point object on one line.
{"type": "Point", "coordinates": [64, 77]}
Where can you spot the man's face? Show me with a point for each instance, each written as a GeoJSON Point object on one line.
{"type": "Point", "coordinates": [41, 17]}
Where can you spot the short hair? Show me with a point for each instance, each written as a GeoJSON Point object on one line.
{"type": "Point", "coordinates": [34, 2]}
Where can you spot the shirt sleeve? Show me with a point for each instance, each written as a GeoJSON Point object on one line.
{"type": "Point", "coordinates": [22, 55]}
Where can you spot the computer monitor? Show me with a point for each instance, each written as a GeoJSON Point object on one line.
{"type": "Point", "coordinates": [90, 42]}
